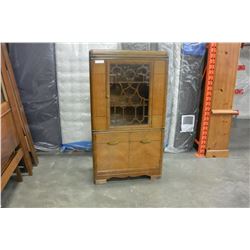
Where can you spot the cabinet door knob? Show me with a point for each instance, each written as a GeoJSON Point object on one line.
{"type": "Point", "coordinates": [112, 142]}
{"type": "Point", "coordinates": [144, 141]}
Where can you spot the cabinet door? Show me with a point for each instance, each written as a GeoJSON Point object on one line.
{"type": "Point", "coordinates": [129, 85]}
{"type": "Point", "coordinates": [112, 157]}
{"type": "Point", "coordinates": [145, 150]}
{"type": "Point", "coordinates": [111, 151]}
{"type": "Point", "coordinates": [145, 155]}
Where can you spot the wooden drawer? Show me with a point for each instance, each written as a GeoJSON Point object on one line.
{"type": "Point", "coordinates": [146, 136]}
{"type": "Point", "coordinates": [111, 138]}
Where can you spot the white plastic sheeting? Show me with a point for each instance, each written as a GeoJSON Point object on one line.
{"type": "Point", "coordinates": [183, 97]}
{"type": "Point", "coordinates": [174, 53]}
{"type": "Point", "coordinates": [242, 89]}
{"type": "Point", "coordinates": [72, 64]}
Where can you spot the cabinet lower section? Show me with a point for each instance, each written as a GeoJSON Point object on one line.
{"type": "Point", "coordinates": [127, 154]}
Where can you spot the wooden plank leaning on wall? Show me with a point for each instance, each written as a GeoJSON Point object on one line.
{"type": "Point", "coordinates": [11, 147]}
{"type": "Point", "coordinates": [227, 57]}
{"type": "Point", "coordinates": [11, 152]}
{"type": "Point", "coordinates": [15, 102]}
{"type": "Point", "coordinates": [12, 136]}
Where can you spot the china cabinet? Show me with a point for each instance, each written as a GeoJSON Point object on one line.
{"type": "Point", "coordinates": [128, 102]}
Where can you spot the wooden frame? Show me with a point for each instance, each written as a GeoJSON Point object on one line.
{"type": "Point", "coordinates": [15, 102]}
{"type": "Point", "coordinates": [16, 141]}
{"type": "Point", "coordinates": [128, 150]}
{"type": "Point", "coordinates": [11, 153]}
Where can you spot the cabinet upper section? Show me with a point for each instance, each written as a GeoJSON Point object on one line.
{"type": "Point", "coordinates": [128, 89]}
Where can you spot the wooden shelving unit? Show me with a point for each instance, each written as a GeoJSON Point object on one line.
{"type": "Point", "coordinates": [214, 131]}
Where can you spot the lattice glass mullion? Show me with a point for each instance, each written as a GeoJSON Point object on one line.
{"type": "Point", "coordinates": [129, 94]}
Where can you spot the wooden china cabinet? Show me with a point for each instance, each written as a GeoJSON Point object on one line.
{"type": "Point", "coordinates": [128, 102]}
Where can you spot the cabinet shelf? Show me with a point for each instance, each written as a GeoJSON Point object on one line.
{"type": "Point", "coordinates": [123, 105]}
{"type": "Point", "coordinates": [127, 101]}
{"type": "Point", "coordinates": [127, 105]}
{"type": "Point", "coordinates": [120, 120]}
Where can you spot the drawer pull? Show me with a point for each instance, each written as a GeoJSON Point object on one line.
{"type": "Point", "coordinates": [145, 141]}
{"type": "Point", "coordinates": [113, 142]}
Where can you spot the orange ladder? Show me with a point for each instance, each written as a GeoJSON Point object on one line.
{"type": "Point", "coordinates": [207, 101]}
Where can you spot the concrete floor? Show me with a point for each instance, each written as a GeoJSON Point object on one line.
{"type": "Point", "coordinates": [66, 181]}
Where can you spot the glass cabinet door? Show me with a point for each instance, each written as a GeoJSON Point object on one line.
{"type": "Point", "coordinates": [129, 86]}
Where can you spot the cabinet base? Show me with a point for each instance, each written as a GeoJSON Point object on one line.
{"type": "Point", "coordinates": [102, 178]}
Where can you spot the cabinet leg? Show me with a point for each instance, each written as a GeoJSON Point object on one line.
{"type": "Point", "coordinates": [19, 177]}
{"type": "Point", "coordinates": [100, 181]}
{"type": "Point", "coordinates": [154, 177]}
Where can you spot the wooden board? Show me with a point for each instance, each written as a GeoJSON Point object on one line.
{"type": "Point", "coordinates": [222, 99]}
{"type": "Point", "coordinates": [225, 75]}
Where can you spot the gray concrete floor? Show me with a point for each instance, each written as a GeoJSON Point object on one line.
{"type": "Point", "coordinates": [66, 181]}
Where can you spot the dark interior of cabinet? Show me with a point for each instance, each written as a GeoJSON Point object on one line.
{"type": "Point", "coordinates": [129, 94]}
